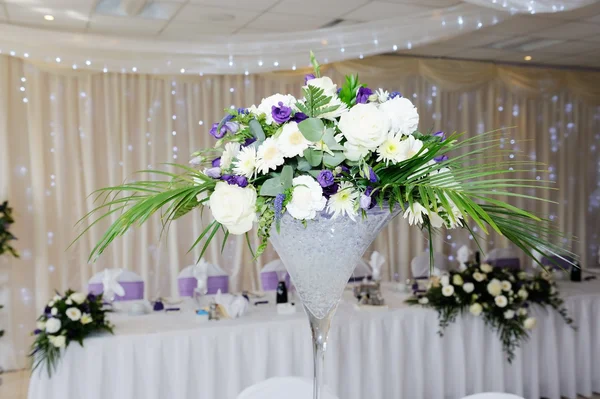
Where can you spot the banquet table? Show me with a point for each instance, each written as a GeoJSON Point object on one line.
{"type": "Point", "coordinates": [377, 354]}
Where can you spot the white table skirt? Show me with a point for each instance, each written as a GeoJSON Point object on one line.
{"type": "Point", "coordinates": [389, 354]}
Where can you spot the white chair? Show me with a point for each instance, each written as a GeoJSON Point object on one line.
{"type": "Point", "coordinates": [283, 387]}
{"type": "Point", "coordinates": [493, 395]}
{"type": "Point", "coordinates": [131, 283]}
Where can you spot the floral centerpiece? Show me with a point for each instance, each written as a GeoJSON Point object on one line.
{"type": "Point", "coordinates": [320, 175]}
{"type": "Point", "coordinates": [501, 296]}
{"type": "Point", "coordinates": [67, 318]}
{"type": "Point", "coordinates": [6, 236]}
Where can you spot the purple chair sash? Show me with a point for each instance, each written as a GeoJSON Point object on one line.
{"type": "Point", "coordinates": [557, 263]}
{"type": "Point", "coordinates": [270, 280]}
{"type": "Point", "coordinates": [187, 285]}
{"type": "Point", "coordinates": [510, 263]}
{"type": "Point", "coordinates": [134, 290]}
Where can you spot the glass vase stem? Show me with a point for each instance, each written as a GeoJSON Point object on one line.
{"type": "Point", "coordinates": [320, 330]}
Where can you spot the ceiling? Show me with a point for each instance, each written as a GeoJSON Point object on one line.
{"type": "Point", "coordinates": [565, 38]}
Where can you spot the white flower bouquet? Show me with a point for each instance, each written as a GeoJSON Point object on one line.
{"type": "Point", "coordinates": [71, 317]}
{"type": "Point", "coordinates": [339, 151]}
{"type": "Point", "coordinates": [501, 296]}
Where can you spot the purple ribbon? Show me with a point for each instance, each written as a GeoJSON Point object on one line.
{"type": "Point", "coordinates": [270, 280]}
{"type": "Point", "coordinates": [134, 290]}
{"type": "Point", "coordinates": [509, 263]}
{"type": "Point", "coordinates": [187, 285]}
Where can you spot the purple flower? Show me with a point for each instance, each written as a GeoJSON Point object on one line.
{"type": "Point", "coordinates": [249, 141]}
{"type": "Point", "coordinates": [325, 178]}
{"type": "Point", "coordinates": [216, 162]}
{"type": "Point", "coordinates": [233, 127]}
{"type": "Point", "coordinates": [158, 306]}
{"type": "Point", "coordinates": [329, 191]}
{"type": "Point", "coordinates": [441, 158]}
{"type": "Point", "coordinates": [278, 205]}
{"type": "Point", "coordinates": [338, 91]}
{"type": "Point", "coordinates": [242, 111]}
{"type": "Point", "coordinates": [395, 94]}
{"type": "Point", "coordinates": [362, 95]}
{"type": "Point", "coordinates": [365, 201]}
{"type": "Point", "coordinates": [91, 297]}
{"type": "Point", "coordinates": [299, 117]}
{"type": "Point", "coordinates": [281, 114]}
{"type": "Point", "coordinates": [307, 77]}
{"type": "Point", "coordinates": [372, 176]}
{"type": "Point", "coordinates": [235, 180]}
{"type": "Point", "coordinates": [214, 172]}
{"type": "Point", "coordinates": [220, 134]}
{"type": "Point", "coordinates": [37, 331]}
{"type": "Point", "coordinates": [441, 135]}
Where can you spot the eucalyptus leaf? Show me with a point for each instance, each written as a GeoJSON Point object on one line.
{"type": "Point", "coordinates": [329, 140]}
{"type": "Point", "coordinates": [272, 187]}
{"type": "Point", "coordinates": [332, 161]}
{"type": "Point", "coordinates": [287, 175]}
{"type": "Point", "coordinates": [314, 157]}
{"type": "Point", "coordinates": [314, 173]}
{"type": "Point", "coordinates": [312, 129]}
{"type": "Point", "coordinates": [303, 165]}
{"type": "Point", "coordinates": [257, 131]}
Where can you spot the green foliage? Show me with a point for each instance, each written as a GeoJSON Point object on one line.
{"type": "Point", "coordinates": [349, 90]}
{"type": "Point", "coordinates": [6, 236]}
{"type": "Point", "coordinates": [316, 102]}
{"type": "Point", "coordinates": [312, 129]}
{"type": "Point", "coordinates": [265, 221]}
{"type": "Point", "coordinates": [315, 64]}
{"type": "Point", "coordinates": [257, 131]}
{"type": "Point", "coordinates": [278, 183]}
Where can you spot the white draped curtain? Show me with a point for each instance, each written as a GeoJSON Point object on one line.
{"type": "Point", "coordinates": [65, 133]}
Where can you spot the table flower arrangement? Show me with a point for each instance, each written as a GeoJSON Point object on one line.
{"type": "Point", "coordinates": [71, 317]}
{"type": "Point", "coordinates": [501, 296]}
{"type": "Point", "coordinates": [6, 219]}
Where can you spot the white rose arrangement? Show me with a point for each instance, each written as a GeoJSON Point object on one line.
{"type": "Point", "coordinates": [500, 297]}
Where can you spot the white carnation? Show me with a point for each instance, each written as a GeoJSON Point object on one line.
{"type": "Point", "coordinates": [457, 280]}
{"type": "Point", "coordinates": [402, 114]}
{"type": "Point", "coordinates": [73, 314]}
{"type": "Point", "coordinates": [365, 125]}
{"type": "Point", "coordinates": [78, 297]}
{"type": "Point", "coordinates": [448, 290]}
{"type": "Point", "coordinates": [53, 325]}
{"type": "Point", "coordinates": [468, 287]}
{"type": "Point", "coordinates": [494, 287]}
{"type": "Point", "coordinates": [307, 198]}
{"type": "Point", "coordinates": [476, 309]}
{"type": "Point", "coordinates": [291, 141]}
{"type": "Point", "coordinates": [479, 277]}
{"type": "Point", "coordinates": [234, 207]}
{"type": "Point", "coordinates": [486, 268]}
{"type": "Point", "coordinates": [501, 301]}
{"type": "Point", "coordinates": [506, 285]}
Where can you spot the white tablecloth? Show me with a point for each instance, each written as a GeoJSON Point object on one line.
{"type": "Point", "coordinates": [389, 354]}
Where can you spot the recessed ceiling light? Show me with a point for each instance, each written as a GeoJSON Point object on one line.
{"type": "Point", "coordinates": [527, 58]}
{"type": "Point", "coordinates": [49, 17]}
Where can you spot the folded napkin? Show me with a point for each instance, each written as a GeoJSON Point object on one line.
{"type": "Point", "coordinates": [376, 262]}
{"type": "Point", "coordinates": [110, 283]}
{"type": "Point", "coordinates": [200, 273]}
{"type": "Point", "coordinates": [462, 256]}
{"type": "Point", "coordinates": [231, 306]}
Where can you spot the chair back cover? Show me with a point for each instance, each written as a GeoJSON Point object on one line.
{"type": "Point", "coordinates": [504, 257]}
{"type": "Point", "coordinates": [270, 274]}
{"type": "Point", "coordinates": [132, 284]}
{"type": "Point", "coordinates": [217, 280]}
{"type": "Point", "coordinates": [283, 387]}
{"type": "Point", "coordinates": [558, 262]}
{"type": "Point", "coordinates": [420, 264]}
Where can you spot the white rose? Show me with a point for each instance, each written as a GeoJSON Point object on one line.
{"type": "Point", "coordinates": [522, 312]}
{"type": "Point", "coordinates": [523, 294]}
{"type": "Point", "coordinates": [479, 277]}
{"type": "Point", "coordinates": [475, 309]}
{"type": "Point", "coordinates": [54, 311]}
{"type": "Point", "coordinates": [501, 301]}
{"type": "Point", "coordinates": [78, 297]}
{"type": "Point", "coordinates": [69, 301]}
{"type": "Point", "coordinates": [266, 105]}
{"type": "Point", "coordinates": [41, 325]}
{"type": "Point", "coordinates": [86, 319]}
{"type": "Point", "coordinates": [424, 300]}
{"type": "Point", "coordinates": [234, 207]}
{"type": "Point", "coordinates": [494, 287]}
{"type": "Point", "coordinates": [325, 83]}
{"type": "Point", "coordinates": [506, 285]}
{"type": "Point", "coordinates": [73, 314]}
{"type": "Point", "coordinates": [58, 341]}
{"type": "Point", "coordinates": [448, 290]}
{"type": "Point", "coordinates": [53, 325]}
{"type": "Point", "coordinates": [486, 268]}
{"type": "Point", "coordinates": [365, 125]}
{"type": "Point", "coordinates": [530, 323]}
{"type": "Point", "coordinates": [468, 287]}
{"type": "Point", "coordinates": [509, 314]}
{"type": "Point", "coordinates": [354, 152]}
{"type": "Point", "coordinates": [402, 114]}
{"type": "Point", "coordinates": [457, 280]}
{"type": "Point", "coordinates": [445, 280]}
{"type": "Point", "coordinates": [307, 198]}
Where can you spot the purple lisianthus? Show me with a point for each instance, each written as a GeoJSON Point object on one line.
{"type": "Point", "coordinates": [338, 91]}
{"type": "Point", "coordinates": [307, 77]}
{"type": "Point", "coordinates": [242, 111]}
{"type": "Point", "coordinates": [249, 141]}
{"type": "Point", "coordinates": [366, 199]}
{"type": "Point", "coordinates": [372, 176]}
{"type": "Point", "coordinates": [216, 162]}
{"type": "Point", "coordinates": [220, 134]}
{"type": "Point", "coordinates": [232, 127]}
{"type": "Point", "coordinates": [91, 297]}
{"type": "Point", "coordinates": [330, 190]}
{"type": "Point", "coordinates": [235, 180]}
{"type": "Point", "coordinates": [441, 158]}
{"type": "Point", "coordinates": [214, 172]}
{"type": "Point", "coordinates": [362, 95]}
{"type": "Point", "coordinates": [282, 113]}
{"type": "Point", "coordinates": [299, 117]}
{"type": "Point", "coordinates": [440, 134]}
{"type": "Point", "coordinates": [325, 178]}
{"type": "Point", "coordinates": [395, 94]}
{"type": "Point", "coordinates": [37, 331]}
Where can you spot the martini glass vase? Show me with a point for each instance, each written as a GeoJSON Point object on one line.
{"type": "Point", "coordinates": [320, 257]}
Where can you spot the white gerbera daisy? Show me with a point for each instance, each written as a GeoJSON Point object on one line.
{"type": "Point", "coordinates": [415, 213]}
{"type": "Point", "coordinates": [409, 148]}
{"type": "Point", "coordinates": [391, 150]}
{"type": "Point", "coordinates": [269, 156]}
{"type": "Point", "coordinates": [245, 165]}
{"type": "Point", "coordinates": [230, 152]}
{"type": "Point", "coordinates": [73, 314]}
{"type": "Point", "coordinates": [291, 141]}
{"type": "Point", "coordinates": [344, 201]}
